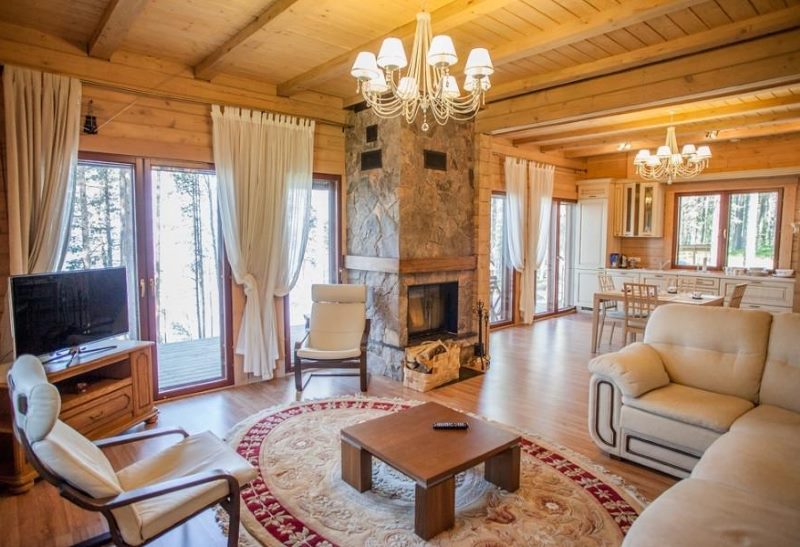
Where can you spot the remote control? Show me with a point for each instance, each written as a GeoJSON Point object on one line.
{"type": "Point", "coordinates": [450, 425]}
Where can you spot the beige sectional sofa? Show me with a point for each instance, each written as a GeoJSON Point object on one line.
{"type": "Point", "coordinates": [712, 394]}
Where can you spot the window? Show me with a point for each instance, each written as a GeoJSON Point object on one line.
{"type": "Point", "coordinates": [554, 291]}
{"type": "Point", "coordinates": [501, 273]}
{"type": "Point", "coordinates": [737, 228]}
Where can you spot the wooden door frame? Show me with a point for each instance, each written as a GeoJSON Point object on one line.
{"type": "Point", "coordinates": [553, 265]}
{"type": "Point", "coordinates": [336, 260]}
{"type": "Point", "coordinates": [226, 292]}
{"type": "Point", "coordinates": [512, 277]}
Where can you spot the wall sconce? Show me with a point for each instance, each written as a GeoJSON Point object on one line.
{"type": "Point", "coordinates": [90, 120]}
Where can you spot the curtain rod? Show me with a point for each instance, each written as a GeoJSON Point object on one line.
{"type": "Point", "coordinates": [558, 167]}
{"type": "Point", "coordinates": [152, 93]}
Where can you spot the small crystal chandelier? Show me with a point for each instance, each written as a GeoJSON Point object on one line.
{"type": "Point", "coordinates": [427, 84]}
{"type": "Point", "coordinates": [669, 163]}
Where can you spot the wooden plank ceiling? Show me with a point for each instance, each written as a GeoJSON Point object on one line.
{"type": "Point", "coordinates": [537, 45]}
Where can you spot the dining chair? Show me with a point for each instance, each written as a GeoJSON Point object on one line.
{"type": "Point", "coordinates": [737, 295]}
{"type": "Point", "coordinates": [337, 334]}
{"type": "Point", "coordinates": [640, 299]}
{"type": "Point", "coordinates": [142, 501]}
{"type": "Point", "coordinates": [609, 310]}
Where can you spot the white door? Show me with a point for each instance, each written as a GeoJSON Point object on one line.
{"type": "Point", "coordinates": [592, 227]}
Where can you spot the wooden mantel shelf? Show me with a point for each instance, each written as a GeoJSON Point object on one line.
{"type": "Point", "coordinates": [410, 265]}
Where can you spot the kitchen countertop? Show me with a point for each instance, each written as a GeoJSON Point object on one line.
{"type": "Point", "coordinates": [695, 273]}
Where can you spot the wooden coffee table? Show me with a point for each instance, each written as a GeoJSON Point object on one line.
{"type": "Point", "coordinates": [432, 458]}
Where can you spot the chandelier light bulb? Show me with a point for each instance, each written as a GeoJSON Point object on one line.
{"type": "Point", "coordinates": [376, 85]}
{"type": "Point", "coordinates": [365, 67]}
{"type": "Point", "coordinates": [407, 88]}
{"type": "Point", "coordinates": [479, 63]}
{"type": "Point", "coordinates": [450, 89]}
{"type": "Point", "coordinates": [392, 56]}
{"type": "Point", "coordinates": [688, 150]}
{"type": "Point", "coordinates": [704, 152]}
{"type": "Point", "coordinates": [641, 156]}
{"type": "Point", "coordinates": [442, 51]}
{"type": "Point", "coordinates": [663, 151]}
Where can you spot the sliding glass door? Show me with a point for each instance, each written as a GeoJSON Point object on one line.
{"type": "Point", "coordinates": [161, 223]}
{"type": "Point", "coordinates": [320, 263]}
{"type": "Point", "coordinates": [554, 292]}
{"type": "Point", "coordinates": [186, 278]}
{"type": "Point", "coordinates": [501, 273]}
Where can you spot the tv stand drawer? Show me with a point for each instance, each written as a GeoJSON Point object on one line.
{"type": "Point", "coordinates": [95, 415]}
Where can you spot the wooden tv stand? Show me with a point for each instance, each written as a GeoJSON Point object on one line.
{"type": "Point", "coordinates": [118, 395]}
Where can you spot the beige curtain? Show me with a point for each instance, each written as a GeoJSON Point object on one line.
{"type": "Point", "coordinates": [42, 113]}
{"type": "Point", "coordinates": [264, 168]}
{"type": "Point", "coordinates": [529, 190]}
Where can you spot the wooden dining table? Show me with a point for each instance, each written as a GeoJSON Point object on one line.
{"type": "Point", "coordinates": [663, 298]}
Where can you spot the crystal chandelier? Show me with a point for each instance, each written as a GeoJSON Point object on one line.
{"type": "Point", "coordinates": [668, 163]}
{"type": "Point", "coordinates": [427, 85]}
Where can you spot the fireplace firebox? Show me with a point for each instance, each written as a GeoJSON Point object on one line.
{"type": "Point", "coordinates": [432, 310]}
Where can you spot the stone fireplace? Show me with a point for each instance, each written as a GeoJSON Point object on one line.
{"type": "Point", "coordinates": [411, 233]}
{"type": "Point", "coordinates": [432, 310]}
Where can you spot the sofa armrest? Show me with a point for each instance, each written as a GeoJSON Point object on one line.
{"type": "Point", "coordinates": [635, 369]}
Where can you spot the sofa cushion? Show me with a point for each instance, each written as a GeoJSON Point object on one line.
{"type": "Point", "coordinates": [781, 382]}
{"type": "Point", "coordinates": [635, 369]}
{"type": "Point", "coordinates": [716, 349]}
{"type": "Point", "coordinates": [689, 438]}
{"type": "Point", "coordinates": [692, 406]}
{"type": "Point", "coordinates": [754, 462]}
{"type": "Point", "coordinates": [699, 512]}
{"type": "Point", "coordinates": [771, 420]}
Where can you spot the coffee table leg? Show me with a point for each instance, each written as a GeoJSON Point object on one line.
{"type": "Point", "coordinates": [435, 508]}
{"type": "Point", "coordinates": [503, 469]}
{"type": "Point", "coordinates": [356, 466]}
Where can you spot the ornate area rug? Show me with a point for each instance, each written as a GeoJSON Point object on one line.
{"type": "Point", "coordinates": [299, 497]}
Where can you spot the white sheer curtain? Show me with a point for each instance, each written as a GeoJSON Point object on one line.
{"type": "Point", "coordinates": [264, 170]}
{"type": "Point", "coordinates": [529, 191]}
{"type": "Point", "coordinates": [540, 180]}
{"type": "Point", "coordinates": [43, 115]}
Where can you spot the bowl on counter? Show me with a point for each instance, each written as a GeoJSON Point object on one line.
{"type": "Point", "coordinates": [758, 272]}
{"type": "Point", "coordinates": [782, 272]}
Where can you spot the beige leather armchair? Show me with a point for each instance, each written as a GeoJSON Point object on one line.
{"type": "Point", "coordinates": [337, 334]}
{"type": "Point", "coordinates": [141, 501]}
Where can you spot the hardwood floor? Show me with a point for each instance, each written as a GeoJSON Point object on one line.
{"type": "Point", "coordinates": [537, 382]}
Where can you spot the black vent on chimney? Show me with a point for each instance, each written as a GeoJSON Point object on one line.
{"type": "Point", "coordinates": [372, 133]}
{"type": "Point", "coordinates": [435, 160]}
{"type": "Point", "coordinates": [371, 160]}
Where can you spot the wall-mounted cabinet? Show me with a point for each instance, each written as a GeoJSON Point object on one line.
{"type": "Point", "coordinates": [638, 209]}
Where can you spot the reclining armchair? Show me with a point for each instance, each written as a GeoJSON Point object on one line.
{"type": "Point", "coordinates": [142, 501]}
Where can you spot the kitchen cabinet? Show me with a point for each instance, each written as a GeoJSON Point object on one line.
{"type": "Point", "coordinates": [638, 209]}
{"type": "Point", "coordinates": [769, 294]}
{"type": "Point", "coordinates": [591, 229]}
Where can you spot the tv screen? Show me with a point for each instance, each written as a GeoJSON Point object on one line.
{"type": "Point", "coordinates": [55, 311]}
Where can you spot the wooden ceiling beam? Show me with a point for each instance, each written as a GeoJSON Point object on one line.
{"type": "Point", "coordinates": [711, 117]}
{"type": "Point", "coordinates": [443, 19]}
{"type": "Point", "coordinates": [693, 43]}
{"type": "Point", "coordinates": [698, 130]}
{"type": "Point", "coordinates": [719, 105]}
{"type": "Point", "coordinates": [607, 20]}
{"type": "Point", "coordinates": [750, 132]}
{"type": "Point", "coordinates": [753, 66]}
{"type": "Point", "coordinates": [216, 61]}
{"type": "Point", "coordinates": [113, 27]}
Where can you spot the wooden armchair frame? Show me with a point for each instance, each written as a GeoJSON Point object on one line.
{"type": "Point", "coordinates": [230, 502]}
{"type": "Point", "coordinates": [359, 363]}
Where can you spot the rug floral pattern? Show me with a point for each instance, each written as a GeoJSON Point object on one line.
{"type": "Point", "coordinates": [299, 497]}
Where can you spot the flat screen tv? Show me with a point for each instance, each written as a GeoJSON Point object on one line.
{"type": "Point", "coordinates": [57, 311]}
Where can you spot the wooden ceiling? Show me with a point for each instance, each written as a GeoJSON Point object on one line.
{"type": "Point", "coordinates": [537, 45]}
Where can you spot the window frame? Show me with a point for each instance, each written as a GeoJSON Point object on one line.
{"type": "Point", "coordinates": [512, 277]}
{"type": "Point", "coordinates": [722, 232]}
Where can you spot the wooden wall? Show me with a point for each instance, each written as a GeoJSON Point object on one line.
{"type": "Point", "coordinates": [734, 158]}
{"type": "Point", "coordinates": [171, 121]}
